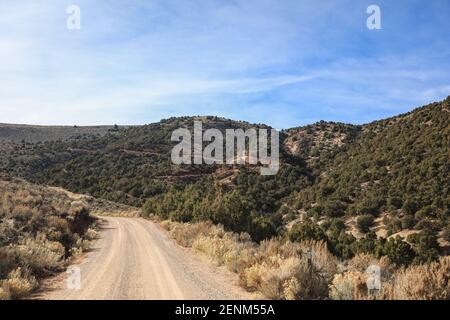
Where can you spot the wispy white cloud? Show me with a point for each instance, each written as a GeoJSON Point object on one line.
{"type": "Point", "coordinates": [138, 61]}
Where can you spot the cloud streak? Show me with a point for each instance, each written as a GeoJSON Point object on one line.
{"type": "Point", "coordinates": [279, 62]}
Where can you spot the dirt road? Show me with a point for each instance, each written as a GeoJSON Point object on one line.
{"type": "Point", "coordinates": [134, 259]}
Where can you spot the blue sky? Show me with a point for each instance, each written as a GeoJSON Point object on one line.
{"type": "Point", "coordinates": [280, 62]}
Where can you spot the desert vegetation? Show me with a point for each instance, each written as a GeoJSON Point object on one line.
{"type": "Point", "coordinates": [281, 269]}
{"type": "Point", "coordinates": [275, 268]}
{"type": "Point", "coordinates": [395, 168]}
{"type": "Point", "coordinates": [377, 191]}
{"type": "Point", "coordinates": [29, 133]}
{"type": "Point", "coordinates": [388, 177]}
{"type": "Point", "coordinates": [40, 230]}
{"type": "Point", "coordinates": [429, 281]}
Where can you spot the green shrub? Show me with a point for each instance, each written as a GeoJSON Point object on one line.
{"type": "Point", "coordinates": [363, 223]}
{"type": "Point", "coordinates": [425, 246]}
{"type": "Point", "coordinates": [408, 222]}
{"type": "Point", "coordinates": [305, 230]}
{"type": "Point", "coordinates": [398, 251]}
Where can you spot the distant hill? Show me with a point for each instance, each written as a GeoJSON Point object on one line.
{"type": "Point", "coordinates": [32, 133]}
{"type": "Point", "coordinates": [126, 164]}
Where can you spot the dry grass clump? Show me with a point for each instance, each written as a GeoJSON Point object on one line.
{"type": "Point", "coordinates": [166, 225]}
{"type": "Point", "coordinates": [361, 262]}
{"type": "Point", "coordinates": [424, 282]}
{"type": "Point", "coordinates": [226, 248]}
{"type": "Point", "coordinates": [352, 283]}
{"type": "Point", "coordinates": [275, 278]}
{"type": "Point", "coordinates": [91, 234]}
{"type": "Point", "coordinates": [4, 295]}
{"type": "Point", "coordinates": [185, 234]}
{"type": "Point", "coordinates": [321, 258]}
{"type": "Point", "coordinates": [343, 286]}
{"type": "Point", "coordinates": [19, 284]}
{"type": "Point", "coordinates": [278, 269]}
{"type": "Point", "coordinates": [41, 256]}
{"type": "Point", "coordinates": [286, 270]}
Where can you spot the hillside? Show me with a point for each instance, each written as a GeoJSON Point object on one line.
{"type": "Point", "coordinates": [15, 137]}
{"type": "Point", "coordinates": [317, 143]}
{"type": "Point", "coordinates": [40, 230]}
{"type": "Point", "coordinates": [126, 165]}
{"type": "Point", "coordinates": [398, 166]}
{"type": "Point", "coordinates": [393, 178]}
{"type": "Point", "coordinates": [29, 133]}
{"type": "Point", "coordinates": [343, 183]}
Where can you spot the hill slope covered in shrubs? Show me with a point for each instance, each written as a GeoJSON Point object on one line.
{"type": "Point", "coordinates": [40, 229]}
{"type": "Point", "coordinates": [355, 187]}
